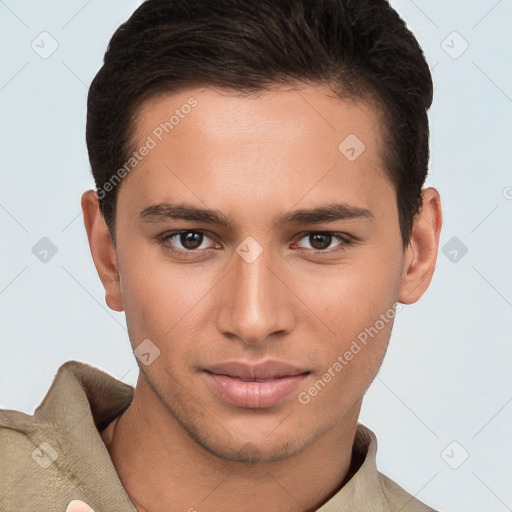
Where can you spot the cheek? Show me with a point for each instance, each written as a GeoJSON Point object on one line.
{"type": "Point", "coordinates": [356, 302]}
{"type": "Point", "coordinates": [349, 298]}
{"type": "Point", "coordinates": [160, 298]}
{"type": "Point", "coordinates": [146, 292]}
{"type": "Point", "coordinates": [347, 370]}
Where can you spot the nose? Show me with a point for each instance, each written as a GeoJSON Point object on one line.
{"type": "Point", "coordinates": [256, 303]}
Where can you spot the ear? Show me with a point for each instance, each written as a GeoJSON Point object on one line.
{"type": "Point", "coordinates": [421, 254]}
{"type": "Point", "coordinates": [102, 250]}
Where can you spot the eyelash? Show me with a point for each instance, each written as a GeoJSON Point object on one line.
{"type": "Point", "coordinates": [192, 253]}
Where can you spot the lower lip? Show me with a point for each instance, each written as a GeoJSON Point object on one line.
{"type": "Point", "coordinates": [254, 395]}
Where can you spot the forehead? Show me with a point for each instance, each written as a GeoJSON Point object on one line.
{"type": "Point", "coordinates": [276, 116]}
{"type": "Point", "coordinates": [283, 144]}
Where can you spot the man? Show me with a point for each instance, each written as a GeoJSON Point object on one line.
{"type": "Point", "coordinates": [259, 215]}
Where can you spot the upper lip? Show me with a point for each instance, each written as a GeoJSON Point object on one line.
{"type": "Point", "coordinates": [262, 371]}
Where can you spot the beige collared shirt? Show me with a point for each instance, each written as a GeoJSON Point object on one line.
{"type": "Point", "coordinates": [57, 455]}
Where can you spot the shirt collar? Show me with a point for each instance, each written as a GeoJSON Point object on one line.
{"type": "Point", "coordinates": [363, 491]}
{"type": "Point", "coordinates": [81, 401]}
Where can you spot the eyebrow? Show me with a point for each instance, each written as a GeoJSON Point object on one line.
{"type": "Point", "coordinates": [322, 214]}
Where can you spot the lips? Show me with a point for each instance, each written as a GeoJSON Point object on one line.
{"type": "Point", "coordinates": [264, 371]}
{"type": "Point", "coordinates": [254, 386]}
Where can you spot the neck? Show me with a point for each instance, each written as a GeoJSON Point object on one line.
{"type": "Point", "coordinates": [162, 468]}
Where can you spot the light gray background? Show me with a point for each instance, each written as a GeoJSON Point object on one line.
{"type": "Point", "coordinates": [447, 373]}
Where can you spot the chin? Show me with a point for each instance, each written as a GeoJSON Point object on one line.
{"type": "Point", "coordinates": [251, 452]}
{"type": "Point", "coordinates": [253, 445]}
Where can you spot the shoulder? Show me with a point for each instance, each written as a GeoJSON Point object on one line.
{"type": "Point", "coordinates": [45, 458]}
{"type": "Point", "coordinates": [26, 456]}
{"type": "Point", "coordinates": [398, 498]}
{"type": "Point", "coordinates": [17, 433]}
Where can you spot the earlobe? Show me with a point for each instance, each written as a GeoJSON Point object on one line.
{"type": "Point", "coordinates": [421, 254]}
{"type": "Point", "coordinates": [102, 250]}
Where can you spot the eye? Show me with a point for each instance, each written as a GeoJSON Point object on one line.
{"type": "Point", "coordinates": [190, 241]}
{"type": "Point", "coordinates": [320, 241]}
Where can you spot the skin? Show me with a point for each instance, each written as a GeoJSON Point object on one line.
{"type": "Point", "coordinates": [180, 445]}
{"type": "Point", "coordinates": [78, 506]}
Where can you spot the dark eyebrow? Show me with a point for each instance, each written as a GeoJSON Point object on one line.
{"type": "Point", "coordinates": [322, 214]}
{"type": "Point", "coordinates": [162, 211]}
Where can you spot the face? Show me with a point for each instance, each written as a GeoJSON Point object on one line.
{"type": "Point", "coordinates": [272, 308]}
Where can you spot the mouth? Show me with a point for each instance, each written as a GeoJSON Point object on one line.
{"type": "Point", "coordinates": [254, 386]}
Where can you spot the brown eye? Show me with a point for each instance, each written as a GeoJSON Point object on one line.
{"type": "Point", "coordinates": [319, 241]}
{"type": "Point", "coordinates": [191, 239]}
{"type": "Point", "coordinates": [188, 242]}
